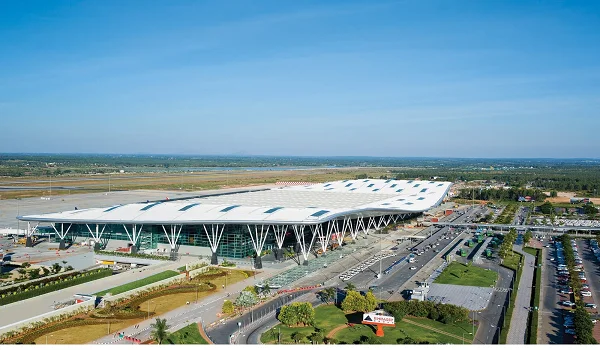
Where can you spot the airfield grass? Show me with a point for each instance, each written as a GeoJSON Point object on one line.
{"type": "Point", "coordinates": [180, 181]}
{"type": "Point", "coordinates": [464, 275]}
{"type": "Point", "coordinates": [139, 283]}
{"type": "Point", "coordinates": [186, 335]}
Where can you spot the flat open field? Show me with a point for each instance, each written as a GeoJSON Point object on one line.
{"type": "Point", "coordinates": [463, 275]}
{"type": "Point", "coordinates": [23, 187]}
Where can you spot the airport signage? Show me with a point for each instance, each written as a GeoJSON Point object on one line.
{"type": "Point", "coordinates": [378, 319]}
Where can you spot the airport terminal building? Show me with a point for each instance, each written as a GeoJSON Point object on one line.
{"type": "Point", "coordinates": [299, 219]}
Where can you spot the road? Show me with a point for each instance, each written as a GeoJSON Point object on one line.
{"type": "Point", "coordinates": [490, 318]}
{"type": "Point", "coordinates": [550, 329]}
{"type": "Point", "coordinates": [248, 322]}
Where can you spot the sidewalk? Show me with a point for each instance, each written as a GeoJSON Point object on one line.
{"type": "Point", "coordinates": [518, 322]}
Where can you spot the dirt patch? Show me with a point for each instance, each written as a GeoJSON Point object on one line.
{"type": "Point", "coordinates": [332, 333]}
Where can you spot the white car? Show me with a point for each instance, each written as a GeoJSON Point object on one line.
{"type": "Point", "coordinates": [412, 268]}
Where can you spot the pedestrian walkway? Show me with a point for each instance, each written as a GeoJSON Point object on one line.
{"type": "Point", "coordinates": [518, 322]}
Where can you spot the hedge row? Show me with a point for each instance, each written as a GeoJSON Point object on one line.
{"type": "Point", "coordinates": [39, 282]}
{"type": "Point", "coordinates": [30, 338]}
{"type": "Point", "coordinates": [139, 283]}
{"type": "Point", "coordinates": [137, 255]}
{"type": "Point", "coordinates": [56, 285]}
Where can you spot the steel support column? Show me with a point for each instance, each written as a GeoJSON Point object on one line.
{"type": "Point", "coordinates": [300, 239]}
{"type": "Point", "coordinates": [134, 237]}
{"type": "Point", "coordinates": [279, 232]}
{"type": "Point", "coordinates": [258, 241]}
{"type": "Point", "coordinates": [173, 237]}
{"type": "Point", "coordinates": [96, 236]}
{"type": "Point", "coordinates": [29, 233]}
{"type": "Point", "coordinates": [214, 238]}
{"type": "Point", "coordinates": [62, 234]}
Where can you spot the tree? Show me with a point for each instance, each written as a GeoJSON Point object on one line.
{"type": "Point", "coordinates": [33, 274]}
{"type": "Point", "coordinates": [64, 262]}
{"type": "Point", "coordinates": [297, 337]}
{"type": "Point", "coordinates": [246, 299]}
{"type": "Point", "coordinates": [527, 237]}
{"type": "Point", "coordinates": [227, 307]}
{"type": "Point", "coordinates": [316, 337]}
{"type": "Point", "coordinates": [25, 265]}
{"type": "Point", "coordinates": [328, 294]}
{"type": "Point", "coordinates": [159, 332]}
{"type": "Point", "coordinates": [22, 272]}
{"type": "Point", "coordinates": [370, 302]}
{"type": "Point", "coordinates": [353, 301]}
{"type": "Point", "coordinates": [297, 314]}
{"type": "Point", "coordinates": [350, 287]}
{"type": "Point", "coordinates": [547, 208]}
{"type": "Point", "coordinates": [553, 194]}
{"type": "Point", "coordinates": [69, 268]}
{"type": "Point", "coordinates": [266, 289]}
{"type": "Point", "coordinates": [56, 268]}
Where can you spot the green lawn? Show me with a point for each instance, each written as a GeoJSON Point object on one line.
{"type": "Point", "coordinates": [512, 262]}
{"type": "Point", "coordinates": [463, 275]}
{"type": "Point", "coordinates": [186, 335]}
{"type": "Point", "coordinates": [328, 317]}
{"type": "Point", "coordinates": [392, 334]}
{"type": "Point", "coordinates": [458, 328]}
{"type": "Point", "coordinates": [139, 283]}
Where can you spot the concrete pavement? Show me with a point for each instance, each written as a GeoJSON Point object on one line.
{"type": "Point", "coordinates": [518, 322]}
{"type": "Point", "coordinates": [42, 304]}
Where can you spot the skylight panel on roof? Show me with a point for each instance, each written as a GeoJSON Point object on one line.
{"type": "Point", "coordinates": [400, 200]}
{"type": "Point", "coordinates": [409, 203]}
{"type": "Point", "coordinates": [440, 185]}
{"type": "Point", "coordinates": [420, 198]}
{"type": "Point", "coordinates": [113, 208]}
{"type": "Point", "coordinates": [327, 185]}
{"type": "Point", "coordinates": [367, 180]}
{"type": "Point", "coordinates": [272, 210]}
{"type": "Point", "coordinates": [150, 206]}
{"type": "Point", "coordinates": [352, 189]}
{"type": "Point", "coordinates": [375, 190]}
{"type": "Point", "coordinates": [416, 185]}
{"type": "Point", "coordinates": [400, 190]}
{"type": "Point", "coordinates": [320, 213]}
{"type": "Point", "coordinates": [388, 181]}
{"type": "Point", "coordinates": [386, 204]}
{"type": "Point", "coordinates": [392, 186]}
{"type": "Point", "coordinates": [189, 206]}
{"type": "Point", "coordinates": [229, 208]}
{"type": "Point", "coordinates": [371, 185]}
{"type": "Point", "coordinates": [424, 190]}
{"type": "Point", "coordinates": [410, 181]}
{"type": "Point", "coordinates": [349, 184]}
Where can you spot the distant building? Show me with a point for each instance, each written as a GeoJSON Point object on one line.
{"type": "Point", "coordinates": [420, 293]}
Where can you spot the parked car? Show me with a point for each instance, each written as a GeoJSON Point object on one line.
{"type": "Point", "coordinates": [586, 293]}
{"type": "Point", "coordinates": [590, 305]}
{"type": "Point", "coordinates": [568, 303]}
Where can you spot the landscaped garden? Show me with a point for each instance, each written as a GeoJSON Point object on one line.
{"type": "Point", "coordinates": [186, 335]}
{"type": "Point", "coordinates": [467, 275]}
{"type": "Point", "coordinates": [134, 255]}
{"type": "Point", "coordinates": [139, 283]}
{"type": "Point", "coordinates": [332, 325]}
{"type": "Point", "coordinates": [50, 284]}
{"type": "Point", "coordinates": [86, 327]}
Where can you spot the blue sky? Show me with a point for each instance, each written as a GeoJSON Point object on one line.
{"type": "Point", "coordinates": [493, 78]}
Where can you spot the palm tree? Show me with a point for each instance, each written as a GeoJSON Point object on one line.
{"type": "Point", "coordinates": [159, 334]}
{"type": "Point", "coordinates": [266, 289]}
{"type": "Point", "coordinates": [329, 294]}
{"type": "Point", "coordinates": [349, 286]}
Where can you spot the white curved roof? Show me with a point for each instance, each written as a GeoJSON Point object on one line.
{"type": "Point", "coordinates": [308, 204]}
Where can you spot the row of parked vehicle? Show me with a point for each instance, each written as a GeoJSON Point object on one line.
{"type": "Point", "coordinates": [363, 266]}
{"type": "Point", "coordinates": [595, 249]}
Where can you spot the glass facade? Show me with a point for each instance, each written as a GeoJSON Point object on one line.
{"type": "Point", "coordinates": [235, 243]}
